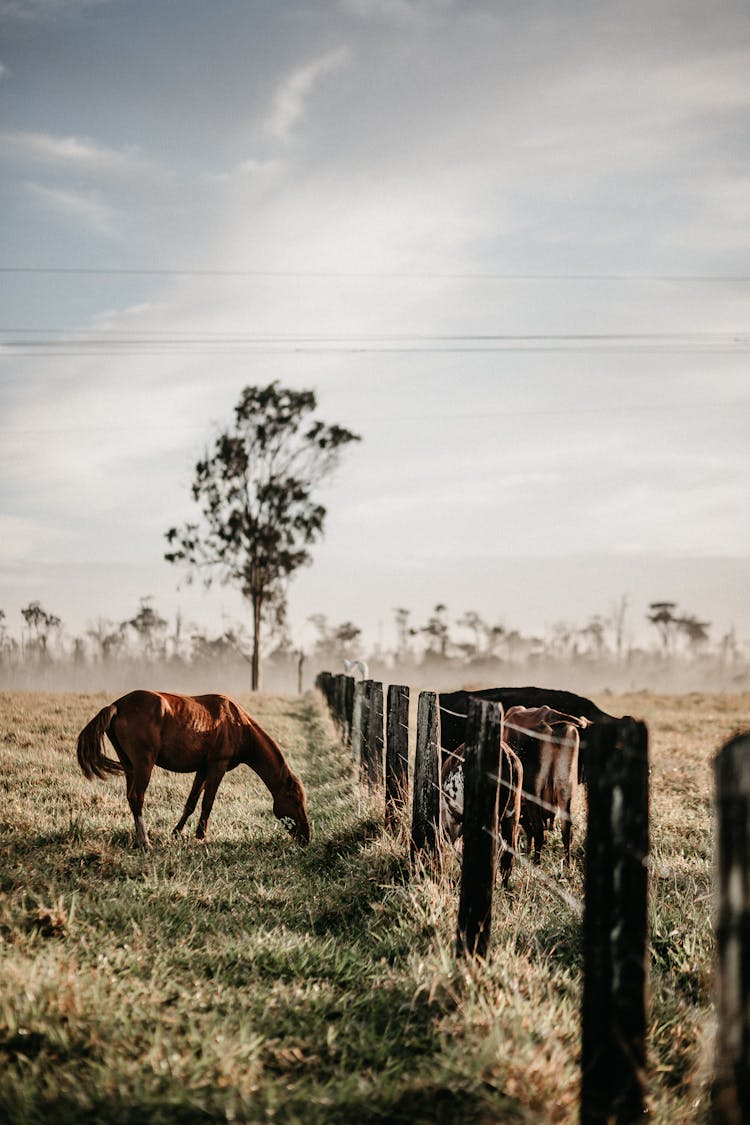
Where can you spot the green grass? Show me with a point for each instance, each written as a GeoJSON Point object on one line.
{"type": "Point", "coordinates": [246, 979]}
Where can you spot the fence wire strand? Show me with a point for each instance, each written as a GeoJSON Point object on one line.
{"type": "Point", "coordinates": [570, 900]}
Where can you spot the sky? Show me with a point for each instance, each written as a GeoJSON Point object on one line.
{"type": "Point", "coordinates": [507, 243]}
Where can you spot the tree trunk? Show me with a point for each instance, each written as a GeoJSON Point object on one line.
{"type": "Point", "coordinates": [255, 667]}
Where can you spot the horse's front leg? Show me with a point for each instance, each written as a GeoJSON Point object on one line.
{"type": "Point", "coordinates": [213, 780]}
{"type": "Point", "coordinates": [198, 783]}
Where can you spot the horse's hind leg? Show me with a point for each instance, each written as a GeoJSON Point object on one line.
{"type": "Point", "coordinates": [198, 782]}
{"type": "Point", "coordinates": [137, 785]}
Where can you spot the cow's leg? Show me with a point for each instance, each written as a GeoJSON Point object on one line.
{"type": "Point", "coordinates": [198, 782]}
{"type": "Point", "coordinates": [567, 829]}
{"type": "Point", "coordinates": [538, 845]}
{"type": "Point", "coordinates": [213, 780]}
{"type": "Point", "coordinates": [536, 831]}
{"type": "Point", "coordinates": [508, 846]}
{"type": "Point", "coordinates": [137, 785]}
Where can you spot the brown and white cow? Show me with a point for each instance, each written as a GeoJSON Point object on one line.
{"type": "Point", "coordinates": [509, 801]}
{"type": "Point", "coordinates": [547, 743]}
{"type": "Point", "coordinates": [454, 706]}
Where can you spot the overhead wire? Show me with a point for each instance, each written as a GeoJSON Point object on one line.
{"type": "Point", "coordinates": [118, 342]}
{"type": "Point", "coordinates": [389, 275]}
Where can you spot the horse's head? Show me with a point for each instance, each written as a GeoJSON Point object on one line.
{"type": "Point", "coordinates": [290, 806]}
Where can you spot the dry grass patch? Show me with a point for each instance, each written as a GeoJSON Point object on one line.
{"type": "Point", "coordinates": [248, 979]}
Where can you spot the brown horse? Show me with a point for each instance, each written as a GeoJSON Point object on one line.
{"type": "Point", "coordinates": [205, 735]}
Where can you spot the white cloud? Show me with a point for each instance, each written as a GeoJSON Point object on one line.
{"type": "Point", "coordinates": [78, 153]}
{"type": "Point", "coordinates": [259, 170]}
{"type": "Point", "coordinates": [397, 11]}
{"type": "Point", "coordinates": [85, 208]}
{"type": "Point", "coordinates": [291, 97]}
{"type": "Point", "coordinates": [34, 10]}
{"type": "Point", "coordinates": [3, 71]}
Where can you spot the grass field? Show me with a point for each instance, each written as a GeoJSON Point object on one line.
{"type": "Point", "coordinates": [246, 979]}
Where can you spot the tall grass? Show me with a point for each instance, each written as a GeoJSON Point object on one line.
{"type": "Point", "coordinates": [247, 979]}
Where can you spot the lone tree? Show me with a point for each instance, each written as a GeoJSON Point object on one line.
{"type": "Point", "coordinates": [255, 491]}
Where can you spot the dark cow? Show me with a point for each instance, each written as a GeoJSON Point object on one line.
{"type": "Point", "coordinates": [454, 706]}
{"type": "Point", "coordinates": [508, 807]}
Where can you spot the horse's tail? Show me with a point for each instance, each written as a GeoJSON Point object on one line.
{"type": "Point", "coordinates": [91, 759]}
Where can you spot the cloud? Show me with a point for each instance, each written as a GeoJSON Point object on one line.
{"type": "Point", "coordinates": [84, 208]}
{"type": "Point", "coordinates": [250, 169]}
{"type": "Point", "coordinates": [33, 11]}
{"type": "Point", "coordinates": [3, 71]}
{"type": "Point", "coordinates": [290, 100]}
{"type": "Point", "coordinates": [79, 153]}
{"type": "Point", "coordinates": [396, 11]}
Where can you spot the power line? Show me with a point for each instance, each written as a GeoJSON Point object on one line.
{"type": "Point", "coordinates": [309, 351]}
{"type": "Point", "coordinates": [97, 343]}
{"type": "Point", "coordinates": [149, 271]}
{"type": "Point", "coordinates": [238, 336]}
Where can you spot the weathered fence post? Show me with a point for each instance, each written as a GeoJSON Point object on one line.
{"type": "Point", "coordinates": [479, 863]}
{"type": "Point", "coordinates": [396, 753]}
{"type": "Point", "coordinates": [359, 697]}
{"type": "Point", "coordinates": [335, 701]}
{"type": "Point", "coordinates": [373, 754]}
{"type": "Point", "coordinates": [731, 1086]}
{"type": "Point", "coordinates": [348, 709]}
{"type": "Point", "coordinates": [425, 827]}
{"type": "Point", "coordinates": [364, 727]}
{"type": "Point", "coordinates": [613, 1054]}
{"type": "Point", "coordinates": [342, 693]}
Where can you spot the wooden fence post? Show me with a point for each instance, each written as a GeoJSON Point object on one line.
{"type": "Point", "coordinates": [396, 753]}
{"type": "Point", "coordinates": [373, 755]}
{"type": "Point", "coordinates": [613, 1054]}
{"type": "Point", "coordinates": [364, 727]}
{"type": "Point", "coordinates": [348, 708]}
{"type": "Point", "coordinates": [425, 827]}
{"type": "Point", "coordinates": [341, 703]}
{"type": "Point", "coordinates": [479, 863]}
{"type": "Point", "coordinates": [731, 1086]}
{"type": "Point", "coordinates": [335, 692]}
{"type": "Point", "coordinates": [359, 697]}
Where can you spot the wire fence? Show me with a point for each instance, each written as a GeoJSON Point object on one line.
{"type": "Point", "coordinates": [613, 910]}
{"type": "Point", "coordinates": [497, 797]}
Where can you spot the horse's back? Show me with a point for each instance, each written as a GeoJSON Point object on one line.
{"type": "Point", "coordinates": [158, 705]}
{"type": "Point", "coordinates": [141, 702]}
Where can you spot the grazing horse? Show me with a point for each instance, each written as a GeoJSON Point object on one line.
{"type": "Point", "coordinates": [205, 735]}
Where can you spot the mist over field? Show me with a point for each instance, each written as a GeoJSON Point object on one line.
{"type": "Point", "coordinates": [641, 672]}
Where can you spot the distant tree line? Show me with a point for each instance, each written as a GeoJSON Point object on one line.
{"type": "Point", "coordinates": [467, 645]}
